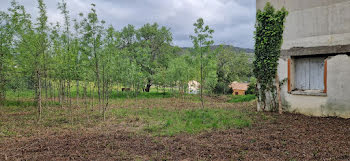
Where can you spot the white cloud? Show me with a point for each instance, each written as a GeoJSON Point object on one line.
{"type": "Point", "coordinates": [232, 20]}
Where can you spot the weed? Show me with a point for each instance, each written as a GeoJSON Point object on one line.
{"type": "Point", "coordinates": [243, 98]}
{"type": "Point", "coordinates": [165, 122]}
{"type": "Point", "coordinates": [7, 133]}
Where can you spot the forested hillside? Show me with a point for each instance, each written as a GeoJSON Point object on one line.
{"type": "Point", "coordinates": [230, 47]}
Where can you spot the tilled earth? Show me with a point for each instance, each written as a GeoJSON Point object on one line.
{"type": "Point", "coordinates": [280, 137]}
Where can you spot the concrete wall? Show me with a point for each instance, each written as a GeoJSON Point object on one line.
{"type": "Point", "coordinates": [309, 25]}
{"type": "Point", "coordinates": [313, 23]}
{"type": "Point", "coordinates": [337, 101]}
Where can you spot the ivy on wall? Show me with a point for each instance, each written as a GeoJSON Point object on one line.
{"type": "Point", "coordinates": [268, 42]}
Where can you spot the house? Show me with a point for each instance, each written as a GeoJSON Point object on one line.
{"type": "Point", "coordinates": [193, 87]}
{"type": "Point", "coordinates": [315, 58]}
{"type": "Point", "coordinates": [239, 88]}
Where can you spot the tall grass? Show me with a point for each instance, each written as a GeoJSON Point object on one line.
{"type": "Point", "coordinates": [165, 122]}
{"type": "Point", "coordinates": [244, 98]}
{"type": "Point", "coordinates": [30, 94]}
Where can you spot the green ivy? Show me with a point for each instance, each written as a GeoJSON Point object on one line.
{"type": "Point", "coordinates": [268, 42]}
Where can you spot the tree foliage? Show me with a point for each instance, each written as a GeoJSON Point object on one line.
{"type": "Point", "coordinates": [268, 42]}
{"type": "Point", "coordinates": [202, 40]}
{"type": "Point", "coordinates": [232, 66]}
{"type": "Point", "coordinates": [86, 60]}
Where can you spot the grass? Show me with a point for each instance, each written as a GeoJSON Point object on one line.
{"type": "Point", "coordinates": [20, 94]}
{"type": "Point", "coordinates": [154, 114]}
{"type": "Point", "coordinates": [29, 94]}
{"type": "Point", "coordinates": [19, 118]}
{"type": "Point", "coordinates": [244, 98]}
{"type": "Point", "coordinates": [166, 122]}
{"type": "Point", "coordinates": [141, 95]}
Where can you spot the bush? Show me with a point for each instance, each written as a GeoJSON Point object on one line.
{"type": "Point", "coordinates": [244, 98]}
{"type": "Point", "coordinates": [222, 88]}
{"type": "Point", "coordinates": [251, 89]}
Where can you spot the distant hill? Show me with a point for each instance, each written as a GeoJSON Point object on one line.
{"type": "Point", "coordinates": [237, 49]}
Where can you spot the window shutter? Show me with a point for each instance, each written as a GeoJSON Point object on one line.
{"type": "Point", "coordinates": [316, 74]}
{"type": "Point", "coordinates": [325, 76]}
{"type": "Point", "coordinates": [289, 75]}
{"type": "Point", "coordinates": [302, 74]}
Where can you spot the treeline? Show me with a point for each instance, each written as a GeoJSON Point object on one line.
{"type": "Point", "coordinates": [87, 54]}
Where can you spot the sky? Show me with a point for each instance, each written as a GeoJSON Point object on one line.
{"type": "Point", "coordinates": [232, 20]}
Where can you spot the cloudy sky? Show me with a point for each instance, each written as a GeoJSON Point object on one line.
{"type": "Point", "coordinates": [232, 20]}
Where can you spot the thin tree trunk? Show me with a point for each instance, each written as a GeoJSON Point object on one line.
{"type": "Point", "coordinates": [50, 91]}
{"type": "Point", "coordinates": [2, 78]}
{"type": "Point", "coordinates": [39, 94]}
{"type": "Point", "coordinates": [97, 75]}
{"type": "Point", "coordinates": [107, 100]}
{"type": "Point", "coordinates": [201, 93]}
{"type": "Point", "coordinates": [67, 92]}
{"type": "Point", "coordinates": [56, 87]}
{"type": "Point", "coordinates": [280, 110]}
{"type": "Point", "coordinates": [92, 95]}
{"type": "Point", "coordinates": [84, 96]}
{"type": "Point", "coordinates": [103, 88]}
{"type": "Point", "coordinates": [77, 93]}
{"type": "Point", "coordinates": [46, 91]}
{"type": "Point", "coordinates": [61, 95]}
{"type": "Point", "coordinates": [59, 91]}
{"type": "Point", "coordinates": [148, 86]}
{"type": "Point", "coordinates": [69, 95]}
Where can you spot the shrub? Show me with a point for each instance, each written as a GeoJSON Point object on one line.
{"type": "Point", "coordinates": [244, 98]}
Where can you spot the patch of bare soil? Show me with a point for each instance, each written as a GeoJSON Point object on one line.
{"type": "Point", "coordinates": [282, 137]}
{"type": "Point", "coordinates": [178, 103]}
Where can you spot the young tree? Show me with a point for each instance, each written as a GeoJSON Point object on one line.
{"type": "Point", "coordinates": [33, 46]}
{"type": "Point", "coordinates": [202, 40]}
{"type": "Point", "coordinates": [40, 54]}
{"type": "Point", "coordinates": [268, 42]}
{"type": "Point", "coordinates": [109, 62]}
{"type": "Point", "coordinates": [93, 32]}
{"type": "Point", "coordinates": [11, 24]}
{"type": "Point", "coordinates": [70, 54]}
{"type": "Point", "coordinates": [6, 36]}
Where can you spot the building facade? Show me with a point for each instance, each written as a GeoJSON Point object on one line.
{"type": "Point", "coordinates": [194, 87]}
{"type": "Point", "coordinates": [315, 62]}
{"type": "Point", "coordinates": [239, 88]}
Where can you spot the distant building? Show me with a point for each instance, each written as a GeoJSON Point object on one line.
{"type": "Point", "coordinates": [315, 57]}
{"type": "Point", "coordinates": [239, 88]}
{"type": "Point", "coordinates": [193, 87]}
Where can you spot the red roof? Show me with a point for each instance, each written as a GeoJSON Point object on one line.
{"type": "Point", "coordinates": [239, 86]}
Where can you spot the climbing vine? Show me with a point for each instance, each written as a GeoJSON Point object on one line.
{"type": "Point", "coordinates": [268, 42]}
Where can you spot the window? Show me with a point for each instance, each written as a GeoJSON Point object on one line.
{"type": "Point", "coordinates": [309, 75]}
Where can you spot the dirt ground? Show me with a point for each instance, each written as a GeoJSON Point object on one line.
{"type": "Point", "coordinates": [271, 137]}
